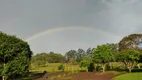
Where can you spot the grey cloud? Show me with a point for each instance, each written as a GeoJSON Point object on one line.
{"type": "Point", "coordinates": [63, 41]}
{"type": "Point", "coordinates": [118, 18]}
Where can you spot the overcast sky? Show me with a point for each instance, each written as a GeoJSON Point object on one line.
{"type": "Point", "coordinates": [110, 20]}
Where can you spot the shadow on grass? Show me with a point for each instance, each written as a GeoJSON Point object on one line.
{"type": "Point", "coordinates": [137, 70]}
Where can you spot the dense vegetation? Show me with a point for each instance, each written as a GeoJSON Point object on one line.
{"type": "Point", "coordinates": [43, 59]}
{"type": "Point", "coordinates": [126, 51]}
{"type": "Point", "coordinates": [16, 57]}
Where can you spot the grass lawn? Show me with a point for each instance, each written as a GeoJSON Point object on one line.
{"type": "Point", "coordinates": [53, 67]}
{"type": "Point", "coordinates": [50, 68]}
{"type": "Point", "coordinates": [129, 76]}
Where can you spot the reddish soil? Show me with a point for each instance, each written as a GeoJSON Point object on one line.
{"type": "Point", "coordinates": [93, 76]}
{"type": "Point", "coordinates": [87, 76]}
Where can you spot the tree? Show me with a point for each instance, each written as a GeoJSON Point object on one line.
{"type": "Point", "coordinates": [131, 41]}
{"type": "Point", "coordinates": [70, 54]}
{"type": "Point", "coordinates": [55, 58]}
{"type": "Point", "coordinates": [15, 55]}
{"type": "Point", "coordinates": [80, 55]}
{"type": "Point", "coordinates": [129, 57]}
{"type": "Point", "coordinates": [91, 67]}
{"type": "Point", "coordinates": [89, 53]}
{"type": "Point", "coordinates": [84, 63]}
{"type": "Point", "coordinates": [41, 59]}
{"type": "Point", "coordinates": [103, 55]}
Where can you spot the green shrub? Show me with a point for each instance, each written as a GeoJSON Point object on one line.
{"type": "Point", "coordinates": [98, 68]}
{"type": "Point", "coordinates": [91, 67]}
{"type": "Point", "coordinates": [61, 67]}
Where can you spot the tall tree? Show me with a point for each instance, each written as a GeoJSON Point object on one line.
{"type": "Point", "coordinates": [103, 55]}
{"type": "Point", "coordinates": [131, 41]}
{"type": "Point", "coordinates": [129, 57]}
{"type": "Point", "coordinates": [89, 53]}
{"type": "Point", "coordinates": [15, 55]}
{"type": "Point", "coordinates": [80, 55]}
{"type": "Point", "coordinates": [70, 55]}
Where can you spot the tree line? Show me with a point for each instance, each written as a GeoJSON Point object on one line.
{"type": "Point", "coordinates": [72, 56]}
{"type": "Point", "coordinates": [42, 59]}
{"type": "Point", "coordinates": [16, 56]}
{"type": "Point", "coordinates": [127, 51]}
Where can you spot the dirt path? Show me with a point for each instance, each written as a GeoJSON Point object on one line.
{"type": "Point", "coordinates": [93, 76]}
{"type": "Point", "coordinates": [86, 76]}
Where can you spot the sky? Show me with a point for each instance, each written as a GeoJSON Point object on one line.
{"type": "Point", "coordinates": [70, 24]}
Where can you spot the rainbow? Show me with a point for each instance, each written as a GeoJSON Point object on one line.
{"type": "Point", "coordinates": [57, 29]}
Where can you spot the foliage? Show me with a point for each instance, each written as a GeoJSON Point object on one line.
{"type": "Point", "coordinates": [85, 63]}
{"type": "Point", "coordinates": [103, 54]}
{"type": "Point", "coordinates": [61, 67]}
{"type": "Point", "coordinates": [39, 59]}
{"type": "Point", "coordinates": [55, 58]}
{"type": "Point", "coordinates": [89, 53]}
{"type": "Point", "coordinates": [131, 41]}
{"type": "Point", "coordinates": [129, 57]}
{"type": "Point", "coordinates": [15, 55]}
{"type": "Point", "coordinates": [53, 67]}
{"type": "Point", "coordinates": [98, 68]}
{"type": "Point", "coordinates": [70, 54]}
{"type": "Point", "coordinates": [78, 55]}
{"type": "Point", "coordinates": [72, 61]}
{"type": "Point", "coordinates": [91, 67]}
{"type": "Point", "coordinates": [42, 59]}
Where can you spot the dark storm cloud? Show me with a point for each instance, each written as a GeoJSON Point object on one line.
{"type": "Point", "coordinates": [117, 18]}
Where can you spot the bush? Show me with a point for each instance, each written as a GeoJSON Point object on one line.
{"type": "Point", "coordinates": [44, 72]}
{"type": "Point", "coordinates": [108, 67]}
{"type": "Point", "coordinates": [61, 67]}
{"type": "Point", "coordinates": [91, 67]}
{"type": "Point", "coordinates": [98, 68]}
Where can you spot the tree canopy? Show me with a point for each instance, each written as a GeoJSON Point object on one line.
{"type": "Point", "coordinates": [41, 59]}
{"type": "Point", "coordinates": [103, 54]}
{"type": "Point", "coordinates": [15, 55]}
{"type": "Point", "coordinates": [130, 41]}
{"type": "Point", "coordinates": [129, 57]}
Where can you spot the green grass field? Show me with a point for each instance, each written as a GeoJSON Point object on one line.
{"type": "Point", "coordinates": [50, 68]}
{"type": "Point", "coordinates": [53, 67]}
{"type": "Point", "coordinates": [129, 76]}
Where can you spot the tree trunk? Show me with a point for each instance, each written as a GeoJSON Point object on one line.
{"type": "Point", "coordinates": [110, 64]}
{"type": "Point", "coordinates": [87, 70]}
{"type": "Point", "coordinates": [3, 77]}
{"type": "Point", "coordinates": [126, 67]}
{"type": "Point", "coordinates": [130, 70]}
{"type": "Point", "coordinates": [103, 66]}
{"type": "Point", "coordinates": [138, 65]}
